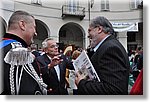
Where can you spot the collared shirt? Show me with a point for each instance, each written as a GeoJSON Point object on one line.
{"type": "Point", "coordinates": [56, 69]}
{"type": "Point", "coordinates": [97, 46]}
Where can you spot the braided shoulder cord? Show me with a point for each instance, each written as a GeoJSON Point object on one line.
{"type": "Point", "coordinates": [11, 78]}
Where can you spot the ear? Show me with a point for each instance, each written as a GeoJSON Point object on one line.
{"type": "Point", "coordinates": [100, 29]}
{"type": "Point", "coordinates": [45, 50]}
{"type": "Point", "coordinates": [22, 25]}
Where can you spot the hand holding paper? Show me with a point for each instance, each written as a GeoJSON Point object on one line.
{"type": "Point", "coordinates": [84, 68]}
{"type": "Point", "coordinates": [79, 77]}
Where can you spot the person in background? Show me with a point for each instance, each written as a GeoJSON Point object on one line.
{"type": "Point", "coordinates": [75, 54]}
{"type": "Point", "coordinates": [41, 51]}
{"type": "Point", "coordinates": [53, 68]}
{"type": "Point", "coordinates": [137, 88]}
{"type": "Point", "coordinates": [110, 61]}
{"type": "Point", "coordinates": [19, 76]}
{"type": "Point", "coordinates": [34, 50]}
{"type": "Point", "coordinates": [138, 62]}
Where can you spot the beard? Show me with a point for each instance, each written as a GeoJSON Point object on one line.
{"type": "Point", "coordinates": [93, 42]}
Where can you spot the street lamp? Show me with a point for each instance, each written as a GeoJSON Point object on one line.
{"type": "Point", "coordinates": [90, 5]}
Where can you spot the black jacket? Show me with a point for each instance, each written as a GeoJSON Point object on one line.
{"type": "Point", "coordinates": [28, 85]}
{"type": "Point", "coordinates": [50, 77]}
{"type": "Point", "coordinates": [112, 66]}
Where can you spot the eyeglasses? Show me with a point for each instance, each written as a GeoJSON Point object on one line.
{"type": "Point", "coordinates": [54, 46]}
{"type": "Point", "coordinates": [92, 28]}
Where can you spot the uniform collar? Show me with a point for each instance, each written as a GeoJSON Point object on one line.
{"type": "Point", "coordinates": [14, 37]}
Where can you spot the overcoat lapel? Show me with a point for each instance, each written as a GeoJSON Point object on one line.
{"type": "Point", "coordinates": [51, 71]}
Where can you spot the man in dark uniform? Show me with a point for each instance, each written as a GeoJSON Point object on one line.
{"type": "Point", "coordinates": [19, 76]}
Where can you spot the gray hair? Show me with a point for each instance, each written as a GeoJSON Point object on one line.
{"type": "Point", "coordinates": [45, 44]}
{"type": "Point", "coordinates": [19, 15]}
{"type": "Point", "coordinates": [102, 21]}
{"type": "Point", "coordinates": [33, 46]}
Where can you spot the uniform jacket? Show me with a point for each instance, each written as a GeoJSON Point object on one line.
{"type": "Point", "coordinates": [28, 85]}
{"type": "Point", "coordinates": [112, 66]}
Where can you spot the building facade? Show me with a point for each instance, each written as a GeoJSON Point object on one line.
{"type": "Point", "coordinates": [67, 21]}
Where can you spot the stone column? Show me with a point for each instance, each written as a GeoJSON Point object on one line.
{"type": "Point", "coordinates": [122, 37]}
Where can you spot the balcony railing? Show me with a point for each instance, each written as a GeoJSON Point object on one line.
{"type": "Point", "coordinates": [74, 11]}
{"type": "Point", "coordinates": [36, 2]}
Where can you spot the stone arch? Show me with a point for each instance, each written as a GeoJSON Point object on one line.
{"type": "Point", "coordinates": [42, 31]}
{"type": "Point", "coordinates": [3, 26]}
{"type": "Point", "coordinates": [72, 34]}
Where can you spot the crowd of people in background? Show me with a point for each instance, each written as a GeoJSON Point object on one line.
{"type": "Point", "coordinates": [52, 72]}
{"type": "Point", "coordinates": [136, 61]}
{"type": "Point", "coordinates": [136, 70]}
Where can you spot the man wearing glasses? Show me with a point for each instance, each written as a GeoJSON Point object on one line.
{"type": "Point", "coordinates": [110, 61]}
{"type": "Point", "coordinates": [52, 66]}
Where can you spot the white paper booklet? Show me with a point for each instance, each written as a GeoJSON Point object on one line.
{"type": "Point", "coordinates": [84, 66]}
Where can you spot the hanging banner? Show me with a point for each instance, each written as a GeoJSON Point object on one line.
{"type": "Point", "coordinates": [121, 27]}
